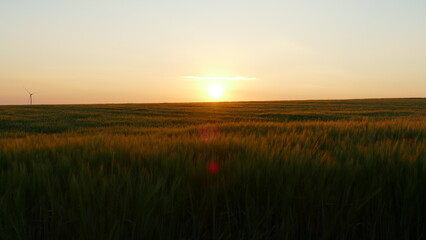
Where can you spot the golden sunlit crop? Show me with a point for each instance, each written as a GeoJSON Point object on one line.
{"type": "Point", "coordinates": [215, 91]}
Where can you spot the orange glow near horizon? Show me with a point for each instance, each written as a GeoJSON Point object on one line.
{"type": "Point", "coordinates": [155, 51]}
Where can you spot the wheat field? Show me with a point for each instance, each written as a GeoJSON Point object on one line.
{"type": "Point", "coordinates": [342, 169]}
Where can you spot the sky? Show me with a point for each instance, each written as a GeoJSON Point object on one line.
{"type": "Point", "coordinates": [87, 51]}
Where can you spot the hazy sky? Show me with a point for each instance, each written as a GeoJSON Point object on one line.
{"type": "Point", "coordinates": [140, 51]}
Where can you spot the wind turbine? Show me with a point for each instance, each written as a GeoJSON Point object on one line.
{"type": "Point", "coordinates": [31, 96]}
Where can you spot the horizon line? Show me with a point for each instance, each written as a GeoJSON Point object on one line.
{"type": "Point", "coordinates": [241, 101]}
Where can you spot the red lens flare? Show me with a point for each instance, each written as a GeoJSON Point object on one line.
{"type": "Point", "coordinates": [208, 133]}
{"type": "Point", "coordinates": [214, 167]}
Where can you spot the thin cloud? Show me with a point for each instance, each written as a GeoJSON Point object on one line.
{"type": "Point", "coordinates": [221, 78]}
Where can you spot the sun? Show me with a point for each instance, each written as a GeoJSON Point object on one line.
{"type": "Point", "coordinates": [215, 91]}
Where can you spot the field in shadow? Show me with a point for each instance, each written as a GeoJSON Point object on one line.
{"type": "Point", "coordinates": [353, 169]}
